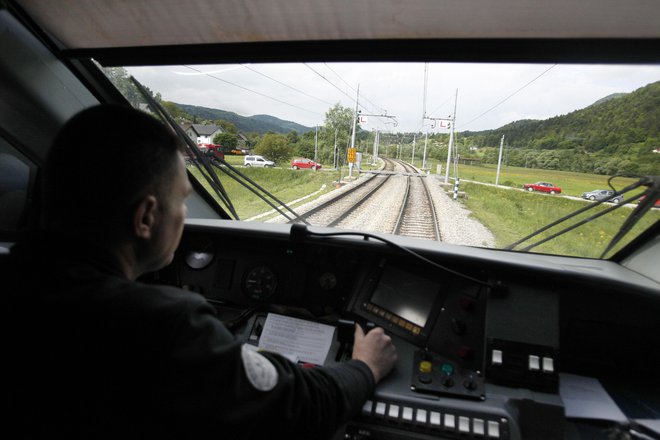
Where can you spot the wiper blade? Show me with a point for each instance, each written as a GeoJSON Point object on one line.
{"type": "Point", "coordinates": [651, 196]}
{"type": "Point", "coordinates": [207, 171]}
{"type": "Point", "coordinates": [644, 181]}
{"type": "Point", "coordinates": [193, 151]}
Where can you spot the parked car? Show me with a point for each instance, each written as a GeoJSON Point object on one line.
{"type": "Point", "coordinates": [305, 163]}
{"type": "Point", "coordinates": [602, 194]}
{"type": "Point", "coordinates": [257, 161]}
{"type": "Point", "coordinates": [542, 187]}
{"type": "Point", "coordinates": [655, 205]}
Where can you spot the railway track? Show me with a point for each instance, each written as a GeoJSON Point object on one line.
{"type": "Point", "coordinates": [376, 204]}
{"type": "Point", "coordinates": [335, 210]}
{"type": "Point", "coordinates": [417, 217]}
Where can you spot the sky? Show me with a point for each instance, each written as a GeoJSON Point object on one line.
{"type": "Point", "coordinates": [414, 96]}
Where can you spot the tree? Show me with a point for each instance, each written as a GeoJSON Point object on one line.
{"type": "Point", "coordinates": [274, 146]}
{"type": "Point", "coordinates": [227, 140]}
{"type": "Point", "coordinates": [227, 126]}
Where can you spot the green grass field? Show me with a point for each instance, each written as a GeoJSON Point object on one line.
{"type": "Point", "coordinates": [573, 184]}
{"type": "Point", "coordinates": [284, 183]}
{"type": "Point", "coordinates": [512, 215]}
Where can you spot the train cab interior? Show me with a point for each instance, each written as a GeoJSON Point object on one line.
{"type": "Point", "coordinates": [493, 343]}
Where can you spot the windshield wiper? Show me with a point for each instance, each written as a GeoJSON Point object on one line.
{"type": "Point", "coordinates": [206, 169]}
{"type": "Point", "coordinates": [651, 194]}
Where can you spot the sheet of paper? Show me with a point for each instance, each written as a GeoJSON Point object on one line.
{"type": "Point", "coordinates": [297, 339]}
{"type": "Point", "coordinates": [585, 398]}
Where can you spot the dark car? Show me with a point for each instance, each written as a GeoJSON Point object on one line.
{"type": "Point", "coordinates": [602, 194]}
{"type": "Point", "coordinates": [305, 163]}
{"type": "Point", "coordinates": [542, 187]}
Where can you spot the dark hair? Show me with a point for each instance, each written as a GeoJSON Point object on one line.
{"type": "Point", "coordinates": [102, 163]}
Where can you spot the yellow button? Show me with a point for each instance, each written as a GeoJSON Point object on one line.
{"type": "Point", "coordinates": [425, 366]}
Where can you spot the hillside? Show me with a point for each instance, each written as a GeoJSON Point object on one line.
{"type": "Point", "coordinates": [259, 123]}
{"type": "Point", "coordinates": [615, 134]}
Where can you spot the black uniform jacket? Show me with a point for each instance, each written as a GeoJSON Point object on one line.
{"type": "Point", "coordinates": [94, 355]}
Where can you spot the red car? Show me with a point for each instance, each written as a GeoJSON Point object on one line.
{"type": "Point", "coordinates": [655, 205]}
{"type": "Point", "coordinates": [542, 187]}
{"type": "Point", "coordinates": [212, 150]}
{"type": "Point", "coordinates": [305, 163]}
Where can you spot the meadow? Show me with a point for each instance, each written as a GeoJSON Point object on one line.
{"type": "Point", "coordinates": [512, 215]}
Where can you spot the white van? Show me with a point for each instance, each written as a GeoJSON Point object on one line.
{"type": "Point", "coordinates": [257, 161]}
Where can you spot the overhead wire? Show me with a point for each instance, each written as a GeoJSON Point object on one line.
{"type": "Point", "coordinates": [252, 91]}
{"type": "Point", "coordinates": [286, 85]}
{"type": "Point", "coordinates": [510, 96]}
{"type": "Point", "coordinates": [353, 99]}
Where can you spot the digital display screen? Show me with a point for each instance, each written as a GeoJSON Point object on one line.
{"type": "Point", "coordinates": [410, 298]}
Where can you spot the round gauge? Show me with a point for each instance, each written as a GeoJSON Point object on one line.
{"type": "Point", "coordinates": [198, 260]}
{"type": "Point", "coordinates": [328, 281]}
{"type": "Point", "coordinates": [260, 283]}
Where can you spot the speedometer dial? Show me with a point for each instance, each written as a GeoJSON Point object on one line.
{"type": "Point", "coordinates": [260, 283]}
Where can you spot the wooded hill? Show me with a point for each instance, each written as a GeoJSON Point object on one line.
{"type": "Point", "coordinates": [617, 134]}
{"type": "Point", "coordinates": [258, 123]}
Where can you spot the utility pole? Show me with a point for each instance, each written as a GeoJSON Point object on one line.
{"type": "Point", "coordinates": [413, 150]}
{"type": "Point", "coordinates": [426, 140]}
{"type": "Point", "coordinates": [350, 164]}
{"type": "Point", "coordinates": [335, 160]}
{"type": "Point", "coordinates": [451, 138]}
{"type": "Point", "coordinates": [499, 162]}
{"type": "Point", "coordinates": [316, 144]}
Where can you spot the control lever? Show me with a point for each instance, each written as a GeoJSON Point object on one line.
{"type": "Point", "coordinates": [345, 335]}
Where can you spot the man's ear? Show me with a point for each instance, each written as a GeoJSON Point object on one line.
{"type": "Point", "coordinates": [144, 217]}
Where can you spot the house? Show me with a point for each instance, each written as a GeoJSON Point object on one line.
{"type": "Point", "coordinates": [201, 133]}
{"type": "Point", "coordinates": [206, 133]}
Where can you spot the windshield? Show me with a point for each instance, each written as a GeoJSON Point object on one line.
{"type": "Point", "coordinates": [469, 154]}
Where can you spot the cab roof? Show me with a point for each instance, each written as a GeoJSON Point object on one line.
{"type": "Point", "coordinates": [163, 31]}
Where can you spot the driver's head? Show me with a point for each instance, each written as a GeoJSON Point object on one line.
{"type": "Point", "coordinates": [104, 165]}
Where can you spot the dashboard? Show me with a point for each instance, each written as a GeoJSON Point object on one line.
{"type": "Point", "coordinates": [488, 341]}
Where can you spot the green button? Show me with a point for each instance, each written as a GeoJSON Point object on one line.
{"type": "Point", "coordinates": [448, 369]}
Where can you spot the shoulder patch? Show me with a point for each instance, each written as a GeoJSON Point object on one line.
{"type": "Point", "coordinates": [259, 371]}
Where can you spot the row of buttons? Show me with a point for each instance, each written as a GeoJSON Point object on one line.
{"type": "Point", "coordinates": [414, 329]}
{"type": "Point", "coordinates": [433, 419]}
{"type": "Point", "coordinates": [534, 363]}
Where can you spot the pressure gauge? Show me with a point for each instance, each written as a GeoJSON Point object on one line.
{"type": "Point", "coordinates": [260, 283]}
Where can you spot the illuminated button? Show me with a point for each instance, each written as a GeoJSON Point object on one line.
{"type": "Point", "coordinates": [416, 330]}
{"type": "Point", "coordinates": [534, 363]}
{"type": "Point", "coordinates": [380, 408]}
{"type": "Point", "coordinates": [425, 366]}
{"type": "Point", "coordinates": [478, 427]}
{"type": "Point", "coordinates": [435, 418]}
{"type": "Point", "coordinates": [407, 414]}
{"type": "Point", "coordinates": [496, 357]}
{"type": "Point", "coordinates": [420, 416]}
{"type": "Point", "coordinates": [448, 369]}
{"type": "Point", "coordinates": [367, 408]}
{"type": "Point", "coordinates": [450, 421]}
{"type": "Point", "coordinates": [493, 429]}
{"type": "Point", "coordinates": [548, 365]}
{"type": "Point", "coordinates": [393, 412]}
{"type": "Point", "coordinates": [464, 424]}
